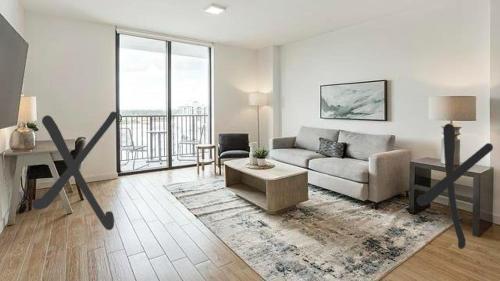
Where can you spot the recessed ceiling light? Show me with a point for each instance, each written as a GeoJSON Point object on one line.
{"type": "Point", "coordinates": [215, 9]}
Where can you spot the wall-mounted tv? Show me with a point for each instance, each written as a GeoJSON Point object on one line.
{"type": "Point", "coordinates": [13, 52]}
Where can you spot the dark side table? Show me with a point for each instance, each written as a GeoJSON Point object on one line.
{"type": "Point", "coordinates": [480, 194]}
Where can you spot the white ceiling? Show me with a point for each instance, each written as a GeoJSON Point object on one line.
{"type": "Point", "coordinates": [247, 23]}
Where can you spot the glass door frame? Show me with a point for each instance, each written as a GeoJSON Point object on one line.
{"type": "Point", "coordinates": [169, 106]}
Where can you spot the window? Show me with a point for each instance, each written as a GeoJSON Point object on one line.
{"type": "Point", "coordinates": [163, 102]}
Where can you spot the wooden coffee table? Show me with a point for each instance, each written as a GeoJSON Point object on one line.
{"type": "Point", "coordinates": [275, 190]}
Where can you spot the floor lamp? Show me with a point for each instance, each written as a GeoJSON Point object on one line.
{"type": "Point", "coordinates": [258, 100]}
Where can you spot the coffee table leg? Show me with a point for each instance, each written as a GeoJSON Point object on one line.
{"type": "Point", "coordinates": [285, 193]}
{"type": "Point", "coordinates": [231, 176]}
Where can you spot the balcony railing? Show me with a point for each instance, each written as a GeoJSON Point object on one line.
{"type": "Point", "coordinates": [148, 136]}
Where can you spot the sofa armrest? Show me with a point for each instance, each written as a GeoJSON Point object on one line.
{"type": "Point", "coordinates": [388, 174]}
{"type": "Point", "coordinates": [283, 142]}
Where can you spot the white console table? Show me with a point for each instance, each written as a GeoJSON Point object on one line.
{"type": "Point", "coordinates": [44, 153]}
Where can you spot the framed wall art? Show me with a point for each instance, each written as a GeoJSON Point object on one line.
{"type": "Point", "coordinates": [354, 101]}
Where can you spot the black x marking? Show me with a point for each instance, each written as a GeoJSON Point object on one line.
{"type": "Point", "coordinates": [72, 170]}
{"type": "Point", "coordinates": [452, 175]}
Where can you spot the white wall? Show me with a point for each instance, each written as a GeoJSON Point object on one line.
{"type": "Point", "coordinates": [14, 13]}
{"type": "Point", "coordinates": [265, 65]}
{"type": "Point", "coordinates": [235, 76]}
{"type": "Point", "coordinates": [495, 99]}
{"type": "Point", "coordinates": [268, 82]}
{"type": "Point", "coordinates": [71, 71]}
{"type": "Point", "coordinates": [441, 48]}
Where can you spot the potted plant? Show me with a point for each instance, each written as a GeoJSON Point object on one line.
{"type": "Point", "coordinates": [261, 154]}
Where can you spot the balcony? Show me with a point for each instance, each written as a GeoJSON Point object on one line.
{"type": "Point", "coordinates": [144, 140]}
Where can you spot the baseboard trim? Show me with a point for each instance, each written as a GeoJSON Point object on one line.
{"type": "Point", "coordinates": [46, 183]}
{"type": "Point", "coordinates": [466, 206]}
{"type": "Point", "coordinates": [102, 177]}
{"type": "Point", "coordinates": [496, 219]}
{"type": "Point", "coordinates": [5, 221]}
{"type": "Point", "coordinates": [443, 200]}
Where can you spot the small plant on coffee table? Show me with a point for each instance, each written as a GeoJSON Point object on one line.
{"type": "Point", "coordinates": [260, 153]}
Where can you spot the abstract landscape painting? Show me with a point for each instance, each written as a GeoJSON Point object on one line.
{"type": "Point", "coordinates": [356, 101]}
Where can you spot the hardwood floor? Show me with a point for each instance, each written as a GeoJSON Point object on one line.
{"type": "Point", "coordinates": [156, 238]}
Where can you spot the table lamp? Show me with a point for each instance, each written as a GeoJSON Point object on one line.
{"type": "Point", "coordinates": [23, 138]}
{"type": "Point", "coordinates": [452, 108]}
{"type": "Point", "coordinates": [258, 100]}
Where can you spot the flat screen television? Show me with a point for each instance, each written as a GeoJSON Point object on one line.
{"type": "Point", "coordinates": [13, 52]}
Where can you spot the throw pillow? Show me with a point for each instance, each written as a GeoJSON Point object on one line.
{"type": "Point", "coordinates": [330, 148]}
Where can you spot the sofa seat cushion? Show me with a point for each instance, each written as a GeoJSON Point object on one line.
{"type": "Point", "coordinates": [308, 137]}
{"type": "Point", "coordinates": [346, 168]}
{"type": "Point", "coordinates": [362, 146]}
{"type": "Point", "coordinates": [295, 156]}
{"type": "Point", "coordinates": [234, 154]}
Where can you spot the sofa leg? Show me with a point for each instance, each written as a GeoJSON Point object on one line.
{"type": "Point", "coordinates": [374, 206]}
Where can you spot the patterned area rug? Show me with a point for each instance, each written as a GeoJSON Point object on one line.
{"type": "Point", "coordinates": [329, 237]}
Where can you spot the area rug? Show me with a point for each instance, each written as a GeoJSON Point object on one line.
{"type": "Point", "coordinates": [329, 237]}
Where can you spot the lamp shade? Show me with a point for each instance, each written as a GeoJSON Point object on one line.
{"type": "Point", "coordinates": [27, 109]}
{"type": "Point", "coordinates": [257, 99]}
{"type": "Point", "coordinates": [452, 108]}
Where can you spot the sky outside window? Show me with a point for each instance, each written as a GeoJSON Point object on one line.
{"type": "Point", "coordinates": [143, 74]}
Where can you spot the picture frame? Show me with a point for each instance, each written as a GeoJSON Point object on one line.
{"type": "Point", "coordinates": [365, 100]}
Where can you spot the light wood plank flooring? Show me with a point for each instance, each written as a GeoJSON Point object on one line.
{"type": "Point", "coordinates": [156, 238]}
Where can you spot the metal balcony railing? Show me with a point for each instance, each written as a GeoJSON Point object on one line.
{"type": "Point", "coordinates": [147, 136]}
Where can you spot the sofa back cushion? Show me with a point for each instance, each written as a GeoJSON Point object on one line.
{"type": "Point", "coordinates": [308, 137]}
{"type": "Point", "coordinates": [361, 146]}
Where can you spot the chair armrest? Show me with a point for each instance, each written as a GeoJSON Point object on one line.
{"type": "Point", "coordinates": [283, 142]}
{"type": "Point", "coordinates": [388, 174]}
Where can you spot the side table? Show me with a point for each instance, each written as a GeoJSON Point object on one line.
{"type": "Point", "coordinates": [200, 149]}
{"type": "Point", "coordinates": [480, 194]}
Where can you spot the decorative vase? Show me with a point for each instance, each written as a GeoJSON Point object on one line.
{"type": "Point", "coordinates": [261, 162]}
{"type": "Point", "coordinates": [252, 159]}
{"type": "Point", "coordinates": [22, 138]}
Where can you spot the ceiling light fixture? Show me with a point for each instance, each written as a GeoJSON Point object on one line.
{"type": "Point", "coordinates": [215, 9]}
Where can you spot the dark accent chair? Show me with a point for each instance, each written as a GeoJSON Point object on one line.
{"type": "Point", "coordinates": [232, 146]}
{"type": "Point", "coordinates": [42, 171]}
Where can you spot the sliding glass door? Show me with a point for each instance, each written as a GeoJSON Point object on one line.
{"type": "Point", "coordinates": [190, 100]}
{"type": "Point", "coordinates": [163, 101]}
